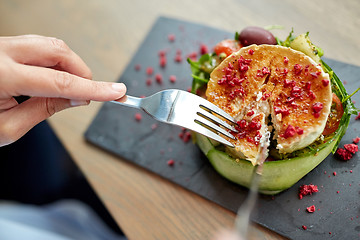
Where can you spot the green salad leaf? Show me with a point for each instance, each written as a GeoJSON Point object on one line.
{"type": "Point", "coordinates": [201, 70]}
{"type": "Point", "coordinates": [237, 34]}
{"type": "Point", "coordinates": [287, 41]}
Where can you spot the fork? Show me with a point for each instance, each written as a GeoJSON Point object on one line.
{"type": "Point", "coordinates": [187, 110]}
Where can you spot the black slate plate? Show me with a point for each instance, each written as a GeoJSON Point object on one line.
{"type": "Point", "coordinates": [151, 144]}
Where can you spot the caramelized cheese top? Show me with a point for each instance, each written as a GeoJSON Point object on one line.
{"type": "Point", "coordinates": [267, 80]}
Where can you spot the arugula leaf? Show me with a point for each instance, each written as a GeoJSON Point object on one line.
{"type": "Point", "coordinates": [201, 70]}
{"type": "Point", "coordinates": [237, 34]}
{"type": "Point", "coordinates": [351, 95]}
{"type": "Point", "coordinates": [288, 40]}
{"type": "Point", "coordinates": [194, 66]}
{"type": "Point", "coordinates": [278, 41]}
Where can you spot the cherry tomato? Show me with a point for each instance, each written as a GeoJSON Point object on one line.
{"type": "Point", "coordinates": [227, 46]}
{"type": "Point", "coordinates": [336, 113]}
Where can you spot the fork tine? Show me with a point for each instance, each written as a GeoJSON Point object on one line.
{"type": "Point", "coordinates": [204, 122]}
{"type": "Point", "coordinates": [215, 109]}
{"type": "Point", "coordinates": [210, 134]}
{"type": "Point", "coordinates": [215, 119]}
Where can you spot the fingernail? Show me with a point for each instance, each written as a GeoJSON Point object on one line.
{"type": "Point", "coordinates": [119, 87]}
{"type": "Point", "coordinates": [76, 103]}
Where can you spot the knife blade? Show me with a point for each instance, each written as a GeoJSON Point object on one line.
{"type": "Point", "coordinates": [243, 215]}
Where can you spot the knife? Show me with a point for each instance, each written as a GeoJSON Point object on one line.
{"type": "Point", "coordinates": [242, 219]}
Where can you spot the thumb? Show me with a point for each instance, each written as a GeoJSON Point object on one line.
{"type": "Point", "coordinates": [18, 120]}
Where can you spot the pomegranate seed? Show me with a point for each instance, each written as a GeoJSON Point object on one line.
{"type": "Point", "coordinates": [178, 58]}
{"type": "Point", "coordinates": [149, 71]}
{"type": "Point", "coordinates": [158, 78]}
{"type": "Point", "coordinates": [325, 82]}
{"type": "Point", "coordinates": [203, 49]}
{"type": "Point", "coordinates": [137, 67]}
{"type": "Point", "coordinates": [171, 37]}
{"type": "Point", "coordinates": [138, 117]}
{"type": "Point", "coordinates": [148, 81]}
{"type": "Point", "coordinates": [162, 61]}
{"type": "Point", "coordinates": [172, 78]}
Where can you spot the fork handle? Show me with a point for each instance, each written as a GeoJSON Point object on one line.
{"type": "Point", "coordinates": [128, 101]}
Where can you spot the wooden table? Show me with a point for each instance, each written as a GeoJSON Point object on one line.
{"type": "Point", "coordinates": [106, 34]}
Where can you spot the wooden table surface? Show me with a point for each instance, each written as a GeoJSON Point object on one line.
{"type": "Point", "coordinates": [106, 34]}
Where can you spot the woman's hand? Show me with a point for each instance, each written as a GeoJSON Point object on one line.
{"type": "Point", "coordinates": [52, 74]}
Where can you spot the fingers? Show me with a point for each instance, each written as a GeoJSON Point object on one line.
{"type": "Point", "coordinates": [30, 75]}
{"type": "Point", "coordinates": [49, 71]}
{"type": "Point", "coordinates": [46, 52]}
{"type": "Point", "coordinates": [45, 82]}
{"type": "Point", "coordinates": [8, 103]}
{"type": "Point", "coordinates": [15, 122]}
